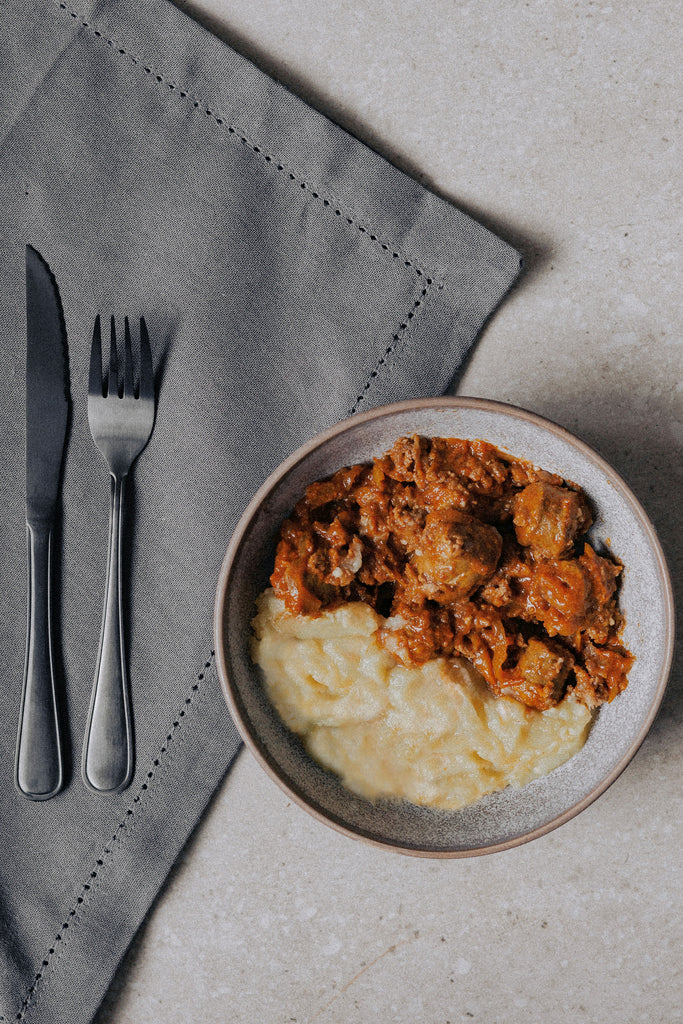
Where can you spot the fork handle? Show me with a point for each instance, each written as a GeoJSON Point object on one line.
{"type": "Point", "coordinates": [38, 768]}
{"type": "Point", "coordinates": [108, 746]}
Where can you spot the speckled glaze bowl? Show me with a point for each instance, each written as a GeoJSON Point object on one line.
{"type": "Point", "coordinates": [512, 816]}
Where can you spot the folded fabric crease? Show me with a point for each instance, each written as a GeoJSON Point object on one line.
{"type": "Point", "coordinates": [391, 349]}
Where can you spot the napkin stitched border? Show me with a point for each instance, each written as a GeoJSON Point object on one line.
{"type": "Point", "coordinates": [427, 279]}
{"type": "Point", "coordinates": [123, 829]}
{"type": "Point", "coordinates": [328, 201]}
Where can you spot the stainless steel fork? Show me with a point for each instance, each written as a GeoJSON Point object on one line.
{"type": "Point", "coordinates": [121, 417]}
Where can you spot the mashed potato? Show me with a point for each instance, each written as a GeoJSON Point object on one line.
{"type": "Point", "coordinates": [432, 734]}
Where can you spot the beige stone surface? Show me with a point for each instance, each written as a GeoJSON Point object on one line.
{"type": "Point", "coordinates": [555, 124]}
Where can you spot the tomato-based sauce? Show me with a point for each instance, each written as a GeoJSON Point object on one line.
{"type": "Point", "coordinates": [467, 552]}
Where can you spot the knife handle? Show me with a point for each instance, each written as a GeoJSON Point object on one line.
{"type": "Point", "coordinates": [38, 768]}
{"type": "Point", "coordinates": [108, 747]}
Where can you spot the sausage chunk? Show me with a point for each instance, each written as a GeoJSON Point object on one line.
{"type": "Point", "coordinates": [560, 595]}
{"type": "Point", "coordinates": [604, 676]}
{"type": "Point", "coordinates": [540, 676]}
{"type": "Point", "coordinates": [575, 595]}
{"type": "Point", "coordinates": [457, 553]}
{"type": "Point", "coordinates": [548, 518]}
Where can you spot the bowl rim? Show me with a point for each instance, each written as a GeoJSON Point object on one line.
{"type": "Point", "coordinates": [389, 410]}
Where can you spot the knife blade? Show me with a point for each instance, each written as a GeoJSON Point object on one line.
{"type": "Point", "coordinates": [39, 764]}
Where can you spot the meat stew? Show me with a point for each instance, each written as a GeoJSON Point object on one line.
{"type": "Point", "coordinates": [466, 551]}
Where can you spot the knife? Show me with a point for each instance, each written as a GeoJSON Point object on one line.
{"type": "Point", "coordinates": [39, 769]}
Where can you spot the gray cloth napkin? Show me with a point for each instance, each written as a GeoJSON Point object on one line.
{"type": "Point", "coordinates": [289, 277]}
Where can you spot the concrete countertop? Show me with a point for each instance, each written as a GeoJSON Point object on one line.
{"type": "Point", "coordinates": [553, 124]}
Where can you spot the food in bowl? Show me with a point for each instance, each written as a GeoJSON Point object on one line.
{"type": "Point", "coordinates": [433, 734]}
{"type": "Point", "coordinates": [471, 595]}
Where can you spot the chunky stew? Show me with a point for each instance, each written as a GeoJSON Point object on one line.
{"type": "Point", "coordinates": [466, 551]}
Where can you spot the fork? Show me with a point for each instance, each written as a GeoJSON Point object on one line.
{"type": "Point", "coordinates": [121, 418]}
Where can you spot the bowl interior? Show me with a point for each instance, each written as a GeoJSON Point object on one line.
{"type": "Point", "coordinates": [513, 815]}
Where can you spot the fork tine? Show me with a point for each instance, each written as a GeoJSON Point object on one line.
{"type": "Point", "coordinates": [113, 377]}
{"type": "Point", "coordinates": [146, 371]}
{"type": "Point", "coordinates": [127, 362]}
{"type": "Point", "coordinates": [95, 378]}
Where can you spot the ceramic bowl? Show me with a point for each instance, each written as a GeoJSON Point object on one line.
{"type": "Point", "coordinates": [502, 819]}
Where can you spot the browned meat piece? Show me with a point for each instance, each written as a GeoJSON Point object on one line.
{"type": "Point", "coordinates": [560, 596]}
{"type": "Point", "coordinates": [457, 554]}
{"type": "Point", "coordinates": [406, 461]}
{"type": "Point", "coordinates": [604, 620]}
{"type": "Point", "coordinates": [322, 492]}
{"type": "Point", "coordinates": [509, 587]}
{"type": "Point", "coordinates": [405, 517]}
{"type": "Point", "coordinates": [295, 585]}
{"type": "Point", "coordinates": [576, 595]}
{"type": "Point", "coordinates": [426, 631]}
{"type": "Point", "coordinates": [540, 676]}
{"type": "Point", "coordinates": [604, 674]}
{"type": "Point", "coordinates": [548, 518]}
{"type": "Point", "coordinates": [603, 574]}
